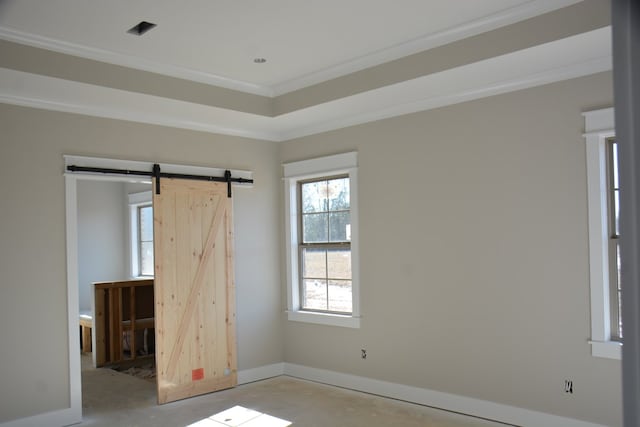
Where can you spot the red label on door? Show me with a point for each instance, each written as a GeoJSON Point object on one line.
{"type": "Point", "coordinates": [197, 374]}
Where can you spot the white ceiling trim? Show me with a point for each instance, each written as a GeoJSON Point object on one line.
{"type": "Point", "coordinates": [572, 57]}
{"type": "Point", "coordinates": [139, 117]}
{"type": "Point", "coordinates": [33, 90]}
{"type": "Point", "coordinates": [429, 41]}
{"type": "Point", "coordinates": [134, 62]}
{"type": "Point", "coordinates": [133, 116]}
{"type": "Point", "coordinates": [455, 97]}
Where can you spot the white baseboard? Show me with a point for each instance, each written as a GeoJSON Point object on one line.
{"type": "Point", "coordinates": [260, 373]}
{"type": "Point", "coordinates": [62, 417]}
{"type": "Point", "coordinates": [465, 405]}
{"type": "Point", "coordinates": [450, 402]}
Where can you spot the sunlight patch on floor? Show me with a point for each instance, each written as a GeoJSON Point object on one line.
{"type": "Point", "coordinates": [239, 416]}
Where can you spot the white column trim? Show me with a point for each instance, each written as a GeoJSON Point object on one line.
{"type": "Point", "coordinates": [75, 380]}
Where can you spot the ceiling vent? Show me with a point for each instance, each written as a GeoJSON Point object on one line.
{"type": "Point", "coordinates": [141, 28]}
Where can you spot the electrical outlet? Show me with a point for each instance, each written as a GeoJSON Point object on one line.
{"type": "Point", "coordinates": [568, 386]}
{"type": "Point", "coordinates": [363, 353]}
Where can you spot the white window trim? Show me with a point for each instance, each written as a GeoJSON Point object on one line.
{"type": "Point", "coordinates": [346, 163]}
{"type": "Point", "coordinates": [599, 126]}
{"type": "Point", "coordinates": [136, 200]}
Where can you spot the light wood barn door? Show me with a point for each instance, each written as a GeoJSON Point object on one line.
{"type": "Point", "coordinates": [194, 289]}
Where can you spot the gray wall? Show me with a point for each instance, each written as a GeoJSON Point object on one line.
{"type": "Point", "coordinates": [474, 253]}
{"type": "Point", "coordinates": [102, 236]}
{"type": "Point", "coordinates": [473, 264]}
{"type": "Point", "coordinates": [33, 307]}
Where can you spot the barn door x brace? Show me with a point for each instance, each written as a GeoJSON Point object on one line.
{"type": "Point", "coordinates": [157, 174]}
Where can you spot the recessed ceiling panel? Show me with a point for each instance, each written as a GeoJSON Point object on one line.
{"type": "Point", "coordinates": [223, 37]}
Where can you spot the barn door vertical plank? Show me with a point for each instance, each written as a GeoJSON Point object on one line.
{"type": "Point", "coordinates": [195, 302]}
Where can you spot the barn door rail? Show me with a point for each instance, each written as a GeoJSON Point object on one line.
{"type": "Point", "coordinates": [156, 174]}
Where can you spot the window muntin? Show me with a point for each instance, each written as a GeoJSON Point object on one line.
{"type": "Point", "coordinates": [325, 245]}
{"type": "Point", "coordinates": [145, 240]}
{"type": "Point", "coordinates": [613, 213]}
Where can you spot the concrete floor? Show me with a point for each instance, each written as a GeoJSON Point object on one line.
{"type": "Point", "coordinates": [113, 399]}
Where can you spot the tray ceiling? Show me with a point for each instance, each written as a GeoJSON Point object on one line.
{"type": "Point", "coordinates": [329, 64]}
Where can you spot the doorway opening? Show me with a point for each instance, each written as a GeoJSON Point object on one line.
{"type": "Point", "coordinates": [115, 281]}
{"type": "Point", "coordinates": [221, 229]}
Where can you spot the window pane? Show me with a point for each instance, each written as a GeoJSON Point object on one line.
{"type": "Point", "coordinates": [618, 262]}
{"type": "Point", "coordinates": [146, 223]}
{"type": "Point", "coordinates": [614, 152]}
{"type": "Point", "coordinates": [146, 258]}
{"type": "Point", "coordinates": [620, 315]}
{"type": "Point", "coordinates": [339, 262]}
{"type": "Point", "coordinates": [616, 207]}
{"type": "Point", "coordinates": [314, 228]}
{"type": "Point", "coordinates": [340, 296]}
{"type": "Point", "coordinates": [314, 197]}
{"type": "Point", "coordinates": [339, 226]}
{"type": "Point", "coordinates": [315, 294]}
{"type": "Point", "coordinates": [618, 303]}
{"type": "Point", "coordinates": [339, 197]}
{"type": "Point", "coordinates": [325, 219]}
{"type": "Point", "coordinates": [314, 263]}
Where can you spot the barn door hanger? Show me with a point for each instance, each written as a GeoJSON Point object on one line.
{"type": "Point", "coordinates": [156, 173]}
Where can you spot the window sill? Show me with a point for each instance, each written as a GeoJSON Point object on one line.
{"type": "Point", "coordinates": [324, 319]}
{"type": "Point", "coordinates": [606, 349]}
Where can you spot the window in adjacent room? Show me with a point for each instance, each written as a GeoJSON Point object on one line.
{"type": "Point", "coordinates": [322, 240]}
{"type": "Point", "coordinates": [145, 240]}
{"type": "Point", "coordinates": [141, 231]}
{"type": "Point", "coordinates": [604, 250]}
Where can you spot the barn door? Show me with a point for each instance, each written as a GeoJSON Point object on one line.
{"type": "Point", "coordinates": [194, 289]}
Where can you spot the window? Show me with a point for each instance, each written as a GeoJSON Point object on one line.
{"type": "Point", "coordinates": [613, 213]}
{"type": "Point", "coordinates": [141, 231]}
{"type": "Point", "coordinates": [604, 251]}
{"type": "Point", "coordinates": [322, 244]}
{"type": "Point", "coordinates": [325, 247]}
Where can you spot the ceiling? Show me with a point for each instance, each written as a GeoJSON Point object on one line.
{"type": "Point", "coordinates": [304, 42]}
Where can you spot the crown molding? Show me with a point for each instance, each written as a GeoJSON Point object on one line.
{"type": "Point", "coordinates": [455, 97]}
{"type": "Point", "coordinates": [575, 56]}
{"type": "Point", "coordinates": [429, 41]}
{"type": "Point", "coordinates": [50, 93]}
{"type": "Point", "coordinates": [426, 42]}
{"type": "Point", "coordinates": [134, 116]}
{"type": "Point", "coordinates": [129, 61]}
